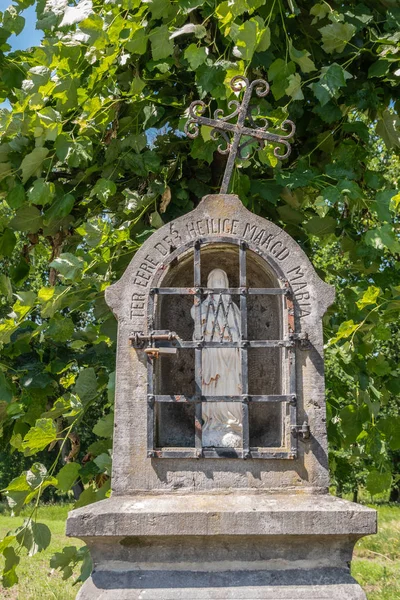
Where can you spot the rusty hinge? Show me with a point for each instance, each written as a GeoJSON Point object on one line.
{"type": "Point", "coordinates": [140, 340]}
{"type": "Point", "coordinates": [302, 431]}
{"type": "Point", "coordinates": [302, 339]}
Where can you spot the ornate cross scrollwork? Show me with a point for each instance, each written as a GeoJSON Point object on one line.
{"type": "Point", "coordinates": [221, 126]}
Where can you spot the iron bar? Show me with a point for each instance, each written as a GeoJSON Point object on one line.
{"type": "Point", "coordinates": [243, 349]}
{"type": "Point", "coordinates": [263, 453]}
{"type": "Point", "coordinates": [150, 383]}
{"type": "Point", "coordinates": [292, 406]}
{"type": "Point", "coordinates": [192, 291]}
{"type": "Point", "coordinates": [227, 344]}
{"type": "Point", "coordinates": [198, 366]}
{"type": "Point", "coordinates": [183, 399]}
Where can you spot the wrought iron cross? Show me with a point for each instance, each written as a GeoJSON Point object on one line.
{"type": "Point", "coordinates": [221, 125]}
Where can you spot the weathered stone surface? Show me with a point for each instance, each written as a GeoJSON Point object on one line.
{"type": "Point", "coordinates": [273, 254]}
{"type": "Point", "coordinates": [321, 584]}
{"type": "Point", "coordinates": [220, 529]}
{"type": "Point", "coordinates": [222, 514]}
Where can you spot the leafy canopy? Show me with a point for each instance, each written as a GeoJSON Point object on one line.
{"type": "Point", "coordinates": [92, 160]}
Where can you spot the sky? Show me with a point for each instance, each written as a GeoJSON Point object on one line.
{"type": "Point", "coordinates": [28, 37]}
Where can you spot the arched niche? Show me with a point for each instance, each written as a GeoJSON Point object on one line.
{"type": "Point", "coordinates": [267, 366]}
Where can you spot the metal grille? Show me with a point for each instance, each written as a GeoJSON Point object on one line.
{"type": "Point", "coordinates": [289, 401]}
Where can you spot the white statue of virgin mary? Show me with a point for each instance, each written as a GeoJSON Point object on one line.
{"type": "Point", "coordinates": [221, 367]}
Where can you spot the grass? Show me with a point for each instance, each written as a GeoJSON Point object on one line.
{"type": "Point", "coordinates": [376, 564]}
{"type": "Point", "coordinates": [37, 581]}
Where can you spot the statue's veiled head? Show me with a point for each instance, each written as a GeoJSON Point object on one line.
{"type": "Point", "coordinates": [217, 278]}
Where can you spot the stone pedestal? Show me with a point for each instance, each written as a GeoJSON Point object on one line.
{"type": "Point", "coordinates": [221, 546]}
{"type": "Point", "coordinates": [186, 521]}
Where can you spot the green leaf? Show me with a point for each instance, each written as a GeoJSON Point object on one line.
{"type": "Point", "coordinates": [263, 39]}
{"type": "Point", "coordinates": [6, 541]}
{"type": "Point", "coordinates": [27, 218]}
{"type": "Point", "coordinates": [379, 365]}
{"type": "Point", "coordinates": [6, 287]}
{"type": "Point", "coordinates": [7, 242]}
{"type": "Point", "coordinates": [69, 265]}
{"type": "Point", "coordinates": [104, 462]}
{"type": "Point", "coordinates": [19, 272]}
{"type": "Point", "coordinates": [5, 389]}
{"type": "Point", "coordinates": [84, 555]}
{"type": "Point", "coordinates": [390, 427]}
{"type": "Point", "coordinates": [210, 80]}
{"type": "Point", "coordinates": [137, 86]}
{"type": "Point", "coordinates": [359, 129]}
{"type": "Point", "coordinates": [60, 208]}
{"type": "Point", "coordinates": [60, 329]}
{"type": "Point", "coordinates": [104, 426]}
{"type": "Point", "coordinates": [203, 150]}
{"type": "Point", "coordinates": [301, 57]}
{"type": "Point", "coordinates": [332, 79]}
{"type": "Point", "coordinates": [42, 192]}
{"type": "Point", "coordinates": [86, 385]}
{"type": "Point", "coordinates": [104, 189]}
{"type": "Point", "coordinates": [294, 87]}
{"type": "Point", "coordinates": [279, 72]}
{"type": "Point", "coordinates": [321, 225]}
{"type": "Point", "coordinates": [319, 11]}
{"type": "Point", "coordinates": [138, 143]}
{"type": "Point", "coordinates": [136, 202]}
{"type": "Point", "coordinates": [88, 496]}
{"type": "Point", "coordinates": [16, 197]}
{"type": "Point", "coordinates": [227, 11]}
{"type": "Point", "coordinates": [246, 40]}
{"type": "Point", "coordinates": [76, 14]}
{"type": "Point", "coordinates": [370, 296]}
{"type": "Point", "coordinates": [36, 475]}
{"type": "Point", "coordinates": [329, 113]}
{"type": "Point", "coordinates": [195, 56]}
{"type": "Point", "coordinates": [156, 220]}
{"type": "Point", "coordinates": [199, 31]}
{"type": "Point", "coordinates": [41, 537]}
{"type": "Point", "coordinates": [346, 329]}
{"type": "Point", "coordinates": [63, 146]}
{"type": "Point", "coordinates": [382, 237]}
{"type": "Point", "coordinates": [161, 45]}
{"type": "Point", "coordinates": [388, 128]}
{"type": "Point", "coordinates": [378, 68]}
{"type": "Point", "coordinates": [65, 560]}
{"type": "Point", "coordinates": [32, 163]}
{"type": "Point", "coordinates": [138, 42]}
{"type": "Point", "coordinates": [10, 577]}
{"type": "Point", "coordinates": [378, 483]}
{"type": "Point", "coordinates": [12, 21]}
{"type": "Point", "coordinates": [352, 421]}
{"type": "Point", "coordinates": [67, 476]}
{"type": "Point", "coordinates": [39, 437]}
{"type": "Point", "coordinates": [290, 215]}
{"type": "Point", "coordinates": [35, 537]}
{"type": "Point", "coordinates": [336, 35]}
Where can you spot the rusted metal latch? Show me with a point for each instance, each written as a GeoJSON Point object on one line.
{"type": "Point", "coordinates": [302, 431]}
{"type": "Point", "coordinates": [303, 340]}
{"type": "Point", "coordinates": [140, 340]}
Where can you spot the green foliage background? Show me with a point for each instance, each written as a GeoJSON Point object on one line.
{"type": "Point", "coordinates": [92, 160]}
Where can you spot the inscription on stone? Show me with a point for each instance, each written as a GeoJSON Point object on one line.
{"type": "Point", "coordinates": [137, 305]}
{"type": "Point", "coordinates": [196, 229]}
{"type": "Point", "coordinates": [299, 285]}
{"type": "Point", "coordinates": [266, 241]}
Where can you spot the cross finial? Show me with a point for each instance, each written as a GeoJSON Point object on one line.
{"type": "Point", "coordinates": [221, 125]}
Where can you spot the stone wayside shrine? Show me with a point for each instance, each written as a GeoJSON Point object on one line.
{"type": "Point", "coordinates": [220, 470]}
